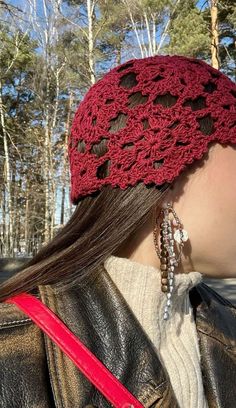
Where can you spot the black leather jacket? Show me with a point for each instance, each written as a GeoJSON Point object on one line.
{"type": "Point", "coordinates": [34, 373]}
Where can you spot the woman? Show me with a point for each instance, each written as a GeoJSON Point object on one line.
{"type": "Point", "coordinates": [152, 157]}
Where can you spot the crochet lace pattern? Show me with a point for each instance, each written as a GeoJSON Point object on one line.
{"type": "Point", "coordinates": [158, 137]}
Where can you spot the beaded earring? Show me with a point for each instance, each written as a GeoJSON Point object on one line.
{"type": "Point", "coordinates": [167, 254]}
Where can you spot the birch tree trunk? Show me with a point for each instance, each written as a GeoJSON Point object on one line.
{"type": "Point", "coordinates": [27, 215]}
{"type": "Point", "coordinates": [65, 156]}
{"type": "Point", "coordinates": [146, 22]}
{"type": "Point", "coordinates": [3, 223]}
{"type": "Point", "coordinates": [46, 164]}
{"type": "Point", "coordinates": [52, 180]}
{"type": "Point", "coordinates": [46, 27]}
{"type": "Point", "coordinates": [8, 198]}
{"type": "Point", "coordinates": [90, 12]}
{"type": "Point", "coordinates": [14, 214]}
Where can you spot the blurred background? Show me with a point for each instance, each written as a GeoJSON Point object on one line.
{"type": "Point", "coordinates": [51, 52]}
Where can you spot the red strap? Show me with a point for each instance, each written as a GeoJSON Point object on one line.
{"type": "Point", "coordinates": [84, 359]}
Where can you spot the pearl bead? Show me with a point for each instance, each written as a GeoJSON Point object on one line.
{"type": "Point", "coordinates": [168, 295]}
{"type": "Point", "coordinates": [170, 281]}
{"type": "Point", "coordinates": [169, 302]}
{"type": "Point", "coordinates": [166, 315]}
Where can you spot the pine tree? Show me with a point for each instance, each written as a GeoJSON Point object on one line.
{"type": "Point", "coordinates": [188, 33]}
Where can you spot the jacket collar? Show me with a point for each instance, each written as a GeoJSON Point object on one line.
{"type": "Point", "coordinates": [100, 316]}
{"type": "Point", "coordinates": [216, 326]}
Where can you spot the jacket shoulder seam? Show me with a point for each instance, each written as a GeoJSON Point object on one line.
{"type": "Point", "coordinates": [3, 324]}
{"type": "Point", "coordinates": [229, 346]}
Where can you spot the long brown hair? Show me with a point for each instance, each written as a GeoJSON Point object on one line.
{"type": "Point", "coordinates": [99, 226]}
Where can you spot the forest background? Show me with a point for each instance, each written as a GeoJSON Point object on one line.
{"type": "Point", "coordinates": [51, 52]}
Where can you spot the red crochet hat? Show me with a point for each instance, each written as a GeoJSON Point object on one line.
{"type": "Point", "coordinates": [157, 139]}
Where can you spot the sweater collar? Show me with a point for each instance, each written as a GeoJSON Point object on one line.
{"type": "Point", "coordinates": [140, 285]}
{"type": "Point", "coordinates": [135, 270]}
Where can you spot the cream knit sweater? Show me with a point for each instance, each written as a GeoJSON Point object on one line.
{"type": "Point", "coordinates": [175, 339]}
